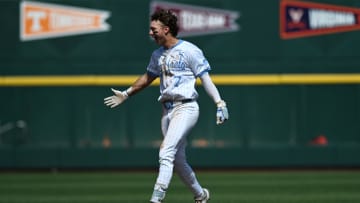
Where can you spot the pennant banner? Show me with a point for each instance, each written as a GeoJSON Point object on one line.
{"type": "Point", "coordinates": [196, 20]}
{"type": "Point", "coordinates": [301, 19]}
{"type": "Point", "coordinates": [43, 20]}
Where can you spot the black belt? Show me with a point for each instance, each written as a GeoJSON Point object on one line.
{"type": "Point", "coordinates": [172, 104]}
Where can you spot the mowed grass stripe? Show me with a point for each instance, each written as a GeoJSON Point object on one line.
{"type": "Point", "coordinates": [288, 198]}
{"type": "Point", "coordinates": [226, 187]}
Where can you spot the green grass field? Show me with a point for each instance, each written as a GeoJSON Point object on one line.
{"type": "Point", "coordinates": [225, 187]}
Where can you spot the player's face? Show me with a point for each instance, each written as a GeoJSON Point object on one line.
{"type": "Point", "coordinates": [158, 32]}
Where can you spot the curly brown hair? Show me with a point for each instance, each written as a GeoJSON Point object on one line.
{"type": "Point", "coordinates": [168, 18]}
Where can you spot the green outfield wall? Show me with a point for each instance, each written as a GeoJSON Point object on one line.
{"type": "Point", "coordinates": [282, 93]}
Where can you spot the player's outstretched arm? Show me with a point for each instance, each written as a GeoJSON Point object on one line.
{"type": "Point", "coordinates": [222, 113]}
{"type": "Point", "coordinates": [120, 96]}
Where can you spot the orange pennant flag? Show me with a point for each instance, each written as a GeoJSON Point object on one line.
{"type": "Point", "coordinates": [44, 20]}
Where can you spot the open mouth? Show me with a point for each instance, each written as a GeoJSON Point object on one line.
{"type": "Point", "coordinates": [156, 39]}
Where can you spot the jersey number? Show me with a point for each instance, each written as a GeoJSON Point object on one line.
{"type": "Point", "coordinates": [177, 80]}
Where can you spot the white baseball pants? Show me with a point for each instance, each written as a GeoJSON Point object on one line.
{"type": "Point", "coordinates": [176, 123]}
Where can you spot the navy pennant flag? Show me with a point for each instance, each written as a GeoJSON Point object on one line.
{"type": "Point", "coordinates": [303, 19]}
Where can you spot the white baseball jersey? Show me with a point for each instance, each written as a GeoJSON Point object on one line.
{"type": "Point", "coordinates": [178, 67]}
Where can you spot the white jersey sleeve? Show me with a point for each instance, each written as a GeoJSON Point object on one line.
{"type": "Point", "coordinates": [152, 67]}
{"type": "Point", "coordinates": [198, 62]}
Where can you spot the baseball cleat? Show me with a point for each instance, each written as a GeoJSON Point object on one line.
{"type": "Point", "coordinates": [204, 198]}
{"type": "Point", "coordinates": [155, 201]}
{"type": "Point", "coordinates": [157, 196]}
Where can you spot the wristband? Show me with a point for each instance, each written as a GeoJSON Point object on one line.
{"type": "Point", "coordinates": [220, 103]}
{"type": "Point", "coordinates": [127, 91]}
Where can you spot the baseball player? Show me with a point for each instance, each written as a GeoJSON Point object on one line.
{"type": "Point", "coordinates": [178, 63]}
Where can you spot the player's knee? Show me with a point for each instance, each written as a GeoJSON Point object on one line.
{"type": "Point", "coordinates": [167, 155]}
{"type": "Point", "coordinates": [165, 161]}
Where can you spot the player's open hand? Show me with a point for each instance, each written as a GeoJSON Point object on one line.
{"type": "Point", "coordinates": [116, 99]}
{"type": "Point", "coordinates": [222, 113]}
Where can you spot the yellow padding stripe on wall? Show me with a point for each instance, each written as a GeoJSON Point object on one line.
{"type": "Point", "coordinates": [229, 79]}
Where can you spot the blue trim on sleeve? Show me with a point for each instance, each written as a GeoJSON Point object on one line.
{"type": "Point", "coordinates": [202, 73]}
